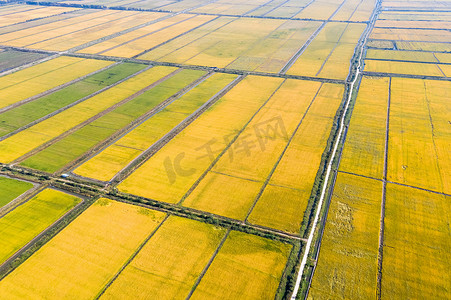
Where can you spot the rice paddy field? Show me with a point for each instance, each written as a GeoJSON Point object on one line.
{"type": "Point", "coordinates": [225, 149]}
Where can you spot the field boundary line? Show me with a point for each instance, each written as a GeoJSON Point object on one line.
{"type": "Point", "coordinates": [149, 152]}
{"type": "Point", "coordinates": [256, 8]}
{"type": "Point", "coordinates": [226, 148]}
{"type": "Point", "coordinates": [342, 125]}
{"type": "Point", "coordinates": [274, 8]}
{"type": "Point", "coordinates": [102, 145]}
{"type": "Point", "coordinates": [301, 50]}
{"type": "Point", "coordinates": [338, 8]}
{"type": "Point", "coordinates": [207, 266]}
{"type": "Point", "coordinates": [282, 154]}
{"type": "Point", "coordinates": [52, 90]}
{"type": "Point", "coordinates": [131, 258]}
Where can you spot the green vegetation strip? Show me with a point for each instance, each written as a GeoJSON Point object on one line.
{"type": "Point", "coordinates": [25, 222]}
{"type": "Point", "coordinates": [29, 112]}
{"type": "Point", "coordinates": [10, 189]}
{"type": "Point", "coordinates": [68, 149]}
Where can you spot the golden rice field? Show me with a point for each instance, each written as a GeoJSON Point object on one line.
{"type": "Point", "coordinates": [418, 146]}
{"type": "Point", "coordinates": [178, 149]}
{"type": "Point", "coordinates": [82, 258]}
{"type": "Point", "coordinates": [364, 150]}
{"type": "Point", "coordinates": [330, 52]}
{"type": "Point", "coordinates": [416, 242]}
{"type": "Point", "coordinates": [347, 264]}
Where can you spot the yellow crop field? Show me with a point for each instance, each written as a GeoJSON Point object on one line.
{"type": "Point", "coordinates": [135, 34]}
{"type": "Point", "coordinates": [85, 255]}
{"type": "Point", "coordinates": [246, 267]}
{"type": "Point", "coordinates": [267, 47]}
{"type": "Point", "coordinates": [416, 259]}
{"type": "Point", "coordinates": [413, 24]}
{"type": "Point", "coordinates": [68, 41]}
{"type": "Point", "coordinates": [424, 46]}
{"type": "Point", "coordinates": [28, 82]}
{"type": "Point", "coordinates": [25, 222]}
{"type": "Point", "coordinates": [26, 140]}
{"type": "Point", "coordinates": [330, 52]}
{"type": "Point", "coordinates": [28, 36]}
{"type": "Point", "coordinates": [114, 158]}
{"type": "Point", "coordinates": [170, 263]}
{"type": "Point", "coordinates": [416, 15]}
{"type": "Point", "coordinates": [214, 128]}
{"type": "Point", "coordinates": [37, 12]}
{"type": "Point", "coordinates": [296, 171]}
{"type": "Point", "coordinates": [400, 67]}
{"type": "Point", "coordinates": [418, 150]}
{"type": "Point", "coordinates": [319, 9]}
{"type": "Point", "coordinates": [347, 264]}
{"type": "Point", "coordinates": [355, 10]}
{"type": "Point", "coordinates": [153, 39]}
{"type": "Point", "coordinates": [401, 55]}
{"type": "Point", "coordinates": [410, 34]}
{"type": "Point", "coordinates": [240, 173]}
{"type": "Point", "coordinates": [363, 152]}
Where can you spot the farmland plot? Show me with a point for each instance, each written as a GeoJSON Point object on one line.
{"type": "Point", "coordinates": [267, 46]}
{"type": "Point", "coordinates": [347, 263]}
{"type": "Point", "coordinates": [32, 137]}
{"type": "Point", "coordinates": [30, 13]}
{"type": "Point", "coordinates": [22, 115]}
{"type": "Point", "coordinates": [72, 146]}
{"type": "Point", "coordinates": [11, 59]}
{"type": "Point", "coordinates": [217, 126]}
{"type": "Point", "coordinates": [20, 226]}
{"type": "Point", "coordinates": [416, 243]}
{"type": "Point", "coordinates": [84, 256]}
{"type": "Point", "coordinates": [31, 81]}
{"type": "Point", "coordinates": [410, 68]}
{"type": "Point", "coordinates": [117, 156]}
{"type": "Point", "coordinates": [10, 189]}
{"type": "Point", "coordinates": [401, 34]}
{"type": "Point", "coordinates": [329, 55]}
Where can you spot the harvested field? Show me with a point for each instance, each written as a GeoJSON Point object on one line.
{"type": "Point", "coordinates": [11, 59]}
